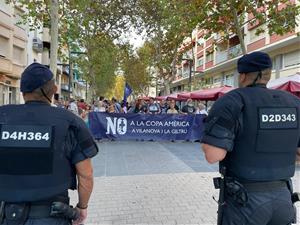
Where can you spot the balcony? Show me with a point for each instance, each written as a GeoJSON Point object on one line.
{"type": "Point", "coordinates": [6, 19]}
{"type": "Point", "coordinates": [46, 35]}
{"type": "Point", "coordinates": [221, 56]}
{"type": "Point", "coordinates": [21, 34]}
{"type": "Point", "coordinates": [17, 70]}
{"type": "Point", "coordinates": [6, 65]}
{"type": "Point", "coordinates": [185, 73]}
{"type": "Point", "coordinates": [234, 51]}
{"type": "Point", "coordinates": [65, 87]}
{"type": "Point", "coordinates": [231, 53]}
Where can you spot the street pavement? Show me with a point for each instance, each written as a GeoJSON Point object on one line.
{"type": "Point", "coordinates": [154, 183]}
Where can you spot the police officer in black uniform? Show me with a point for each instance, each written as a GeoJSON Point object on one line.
{"type": "Point", "coordinates": [44, 151]}
{"type": "Point", "coordinates": [254, 133]}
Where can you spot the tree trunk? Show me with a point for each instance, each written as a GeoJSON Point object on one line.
{"type": "Point", "coordinates": [167, 87]}
{"type": "Point", "coordinates": [54, 36]}
{"type": "Point", "coordinates": [239, 30]}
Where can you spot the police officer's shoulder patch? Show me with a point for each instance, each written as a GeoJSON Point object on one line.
{"type": "Point", "coordinates": [278, 118]}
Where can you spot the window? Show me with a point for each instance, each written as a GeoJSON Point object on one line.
{"type": "Point", "coordinates": [200, 41]}
{"type": "Point", "coordinates": [4, 7]}
{"type": "Point", "coordinates": [252, 33]}
{"type": "Point", "coordinates": [229, 80]}
{"type": "Point", "coordinates": [18, 55]}
{"type": "Point", "coordinates": [19, 21]}
{"type": "Point", "coordinates": [277, 62]}
{"type": "Point", "coordinates": [292, 58]}
{"type": "Point", "coordinates": [208, 81]}
{"type": "Point", "coordinates": [179, 72]}
{"type": "Point", "coordinates": [186, 71]}
{"type": "Point", "coordinates": [209, 57]}
{"type": "Point", "coordinates": [217, 79]}
{"type": "Point", "coordinates": [4, 47]}
{"type": "Point", "coordinates": [199, 62]}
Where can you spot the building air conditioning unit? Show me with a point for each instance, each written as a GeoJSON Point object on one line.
{"type": "Point", "coordinates": [37, 45]}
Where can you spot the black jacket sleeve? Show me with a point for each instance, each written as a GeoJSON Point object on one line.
{"type": "Point", "coordinates": [223, 121]}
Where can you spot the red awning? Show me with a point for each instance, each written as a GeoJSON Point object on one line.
{"type": "Point", "coordinates": [145, 98]}
{"type": "Point", "coordinates": [289, 83]}
{"type": "Point", "coordinates": [210, 94]}
{"type": "Point", "coordinates": [184, 95]}
{"type": "Point", "coordinates": [187, 95]}
{"type": "Point", "coordinates": [160, 98]}
{"type": "Point", "coordinates": [176, 96]}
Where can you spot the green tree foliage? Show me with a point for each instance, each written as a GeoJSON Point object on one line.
{"type": "Point", "coordinates": [136, 67]}
{"type": "Point", "coordinates": [118, 90]}
{"type": "Point", "coordinates": [100, 64]}
{"type": "Point", "coordinates": [94, 26]}
{"type": "Point", "coordinates": [168, 23]}
{"type": "Point", "coordinates": [229, 17]}
{"type": "Point", "coordinates": [89, 26]}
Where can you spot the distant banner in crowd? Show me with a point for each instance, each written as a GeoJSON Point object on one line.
{"type": "Point", "coordinates": [146, 126]}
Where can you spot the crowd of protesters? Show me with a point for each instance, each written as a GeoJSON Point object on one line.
{"type": "Point", "coordinates": [142, 106]}
{"type": "Point", "coordinates": [166, 107]}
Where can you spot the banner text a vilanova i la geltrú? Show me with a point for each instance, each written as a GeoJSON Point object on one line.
{"type": "Point", "coordinates": [146, 126]}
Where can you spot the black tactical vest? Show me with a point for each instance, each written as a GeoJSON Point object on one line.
{"type": "Point", "coordinates": [33, 144]}
{"type": "Point", "coordinates": [266, 144]}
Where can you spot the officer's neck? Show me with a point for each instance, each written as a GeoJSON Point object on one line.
{"type": "Point", "coordinates": [33, 98]}
{"type": "Point", "coordinates": [250, 84]}
{"type": "Point", "coordinates": [257, 85]}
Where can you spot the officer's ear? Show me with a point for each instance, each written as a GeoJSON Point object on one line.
{"type": "Point", "coordinates": [55, 89]}
{"type": "Point", "coordinates": [242, 79]}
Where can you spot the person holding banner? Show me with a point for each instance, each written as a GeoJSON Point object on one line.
{"type": "Point", "coordinates": [254, 134]}
{"type": "Point", "coordinates": [172, 109]}
{"type": "Point", "coordinates": [153, 107]}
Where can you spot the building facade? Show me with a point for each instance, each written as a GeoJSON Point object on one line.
{"type": "Point", "coordinates": [214, 62]}
{"type": "Point", "coordinates": [19, 47]}
{"type": "Point", "coordinates": [13, 53]}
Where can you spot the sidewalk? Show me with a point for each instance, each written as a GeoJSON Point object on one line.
{"type": "Point", "coordinates": [162, 194]}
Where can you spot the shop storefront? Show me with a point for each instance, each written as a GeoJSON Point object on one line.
{"type": "Point", "coordinates": [9, 91]}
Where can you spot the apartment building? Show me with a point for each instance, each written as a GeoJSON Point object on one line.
{"type": "Point", "coordinates": [214, 62]}
{"type": "Point", "coordinates": [19, 47]}
{"type": "Point", "coordinates": [13, 53]}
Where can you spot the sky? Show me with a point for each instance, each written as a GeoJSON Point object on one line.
{"type": "Point", "coordinates": [136, 40]}
{"type": "Point", "coordinates": [133, 37]}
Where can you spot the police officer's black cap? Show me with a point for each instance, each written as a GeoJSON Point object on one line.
{"type": "Point", "coordinates": [254, 62]}
{"type": "Point", "coordinates": [35, 76]}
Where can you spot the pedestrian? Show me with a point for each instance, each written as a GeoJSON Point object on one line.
{"type": "Point", "coordinates": [101, 106]}
{"type": "Point", "coordinates": [73, 106]}
{"type": "Point", "coordinates": [201, 109]}
{"type": "Point", "coordinates": [43, 151]}
{"type": "Point", "coordinates": [118, 108]}
{"type": "Point", "coordinates": [163, 107]}
{"type": "Point", "coordinates": [111, 107]}
{"type": "Point", "coordinates": [189, 108]}
{"type": "Point", "coordinates": [254, 133]}
{"type": "Point", "coordinates": [81, 104]}
{"type": "Point", "coordinates": [172, 109]}
{"type": "Point", "coordinates": [153, 107]}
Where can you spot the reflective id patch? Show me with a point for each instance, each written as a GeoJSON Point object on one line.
{"type": "Point", "coordinates": [26, 136]}
{"type": "Point", "coordinates": [278, 118]}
